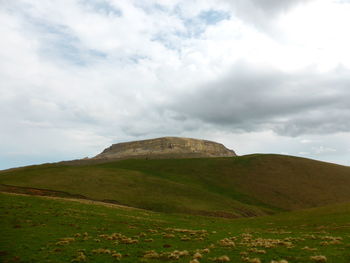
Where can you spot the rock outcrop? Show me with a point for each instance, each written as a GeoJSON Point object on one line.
{"type": "Point", "coordinates": [166, 147]}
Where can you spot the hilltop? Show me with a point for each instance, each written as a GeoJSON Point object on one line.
{"type": "Point", "coordinates": [166, 147]}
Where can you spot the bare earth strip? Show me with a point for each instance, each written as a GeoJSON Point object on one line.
{"type": "Point", "coordinates": [83, 201]}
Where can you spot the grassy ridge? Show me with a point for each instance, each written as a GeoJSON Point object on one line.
{"type": "Point", "coordinates": [39, 229]}
{"type": "Point", "coordinates": [238, 186]}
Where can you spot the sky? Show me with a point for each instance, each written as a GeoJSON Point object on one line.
{"type": "Point", "coordinates": [259, 76]}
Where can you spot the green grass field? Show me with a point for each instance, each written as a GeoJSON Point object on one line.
{"type": "Point", "coordinates": [42, 229]}
{"type": "Point", "coordinates": [177, 210]}
{"type": "Point", "coordinates": [249, 185]}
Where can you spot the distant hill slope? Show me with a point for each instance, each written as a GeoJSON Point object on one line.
{"type": "Point", "coordinates": [233, 186]}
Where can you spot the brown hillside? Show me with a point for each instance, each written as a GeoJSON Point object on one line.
{"type": "Point", "coordinates": [293, 183]}
{"type": "Point", "coordinates": [231, 186]}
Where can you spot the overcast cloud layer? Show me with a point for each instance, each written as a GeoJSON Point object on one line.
{"type": "Point", "coordinates": [256, 75]}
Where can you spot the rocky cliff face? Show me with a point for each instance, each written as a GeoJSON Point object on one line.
{"type": "Point", "coordinates": [166, 147]}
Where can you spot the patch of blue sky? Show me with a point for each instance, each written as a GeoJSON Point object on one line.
{"type": "Point", "coordinates": [167, 41]}
{"type": "Point", "coordinates": [97, 53]}
{"type": "Point", "coordinates": [173, 40]}
{"type": "Point", "coordinates": [195, 26]}
{"type": "Point", "coordinates": [212, 17]}
{"type": "Point", "coordinates": [65, 46]}
{"type": "Point", "coordinates": [137, 58]}
{"type": "Point", "coordinates": [103, 7]}
{"type": "Point", "coordinates": [151, 8]}
{"type": "Point", "coordinates": [59, 44]}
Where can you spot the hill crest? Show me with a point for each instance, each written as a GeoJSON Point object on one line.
{"type": "Point", "coordinates": [249, 185]}
{"type": "Point", "coordinates": [166, 147]}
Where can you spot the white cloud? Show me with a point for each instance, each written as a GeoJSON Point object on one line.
{"type": "Point", "coordinates": [318, 29]}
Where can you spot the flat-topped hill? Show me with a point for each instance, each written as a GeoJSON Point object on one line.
{"type": "Point", "coordinates": [166, 147]}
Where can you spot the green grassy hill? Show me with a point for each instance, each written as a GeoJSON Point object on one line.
{"type": "Point", "coordinates": [42, 229]}
{"type": "Point", "coordinates": [236, 186]}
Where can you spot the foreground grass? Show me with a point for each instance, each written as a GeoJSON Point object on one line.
{"type": "Point", "coordinates": [40, 229]}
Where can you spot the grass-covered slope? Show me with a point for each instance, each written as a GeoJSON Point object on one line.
{"type": "Point", "coordinates": [41, 229]}
{"type": "Point", "coordinates": [236, 186]}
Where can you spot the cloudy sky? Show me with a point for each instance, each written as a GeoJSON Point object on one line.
{"type": "Point", "coordinates": [265, 76]}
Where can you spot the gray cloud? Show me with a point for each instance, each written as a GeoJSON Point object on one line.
{"type": "Point", "coordinates": [252, 99]}
{"type": "Point", "coordinates": [261, 13]}
{"type": "Point", "coordinates": [269, 7]}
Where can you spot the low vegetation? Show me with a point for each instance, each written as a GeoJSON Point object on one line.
{"type": "Point", "coordinates": [228, 187]}
{"type": "Point", "coordinates": [46, 229]}
{"type": "Point", "coordinates": [177, 210]}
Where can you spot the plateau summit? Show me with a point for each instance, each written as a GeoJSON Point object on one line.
{"type": "Point", "coordinates": [166, 147]}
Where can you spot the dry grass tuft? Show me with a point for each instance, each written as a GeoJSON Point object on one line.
{"type": "Point", "coordinates": [222, 259]}
{"type": "Point", "coordinates": [65, 241]}
{"type": "Point", "coordinates": [80, 257]}
{"type": "Point", "coordinates": [117, 255]}
{"type": "Point", "coordinates": [227, 242]}
{"type": "Point", "coordinates": [309, 248]}
{"type": "Point", "coordinates": [151, 254]}
{"type": "Point", "coordinates": [101, 251]}
{"type": "Point", "coordinates": [320, 258]}
{"type": "Point", "coordinates": [251, 260]}
{"type": "Point", "coordinates": [197, 255]}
